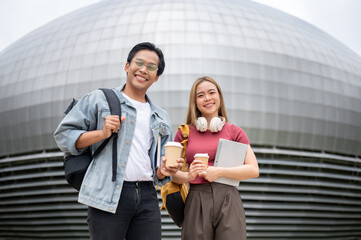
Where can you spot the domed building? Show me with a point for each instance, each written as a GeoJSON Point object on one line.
{"type": "Point", "coordinates": [295, 90]}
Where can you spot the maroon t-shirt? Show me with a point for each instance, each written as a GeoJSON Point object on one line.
{"type": "Point", "coordinates": [207, 142]}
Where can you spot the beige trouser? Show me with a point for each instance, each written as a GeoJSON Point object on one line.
{"type": "Point", "coordinates": [213, 211]}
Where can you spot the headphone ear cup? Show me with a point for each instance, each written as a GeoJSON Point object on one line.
{"type": "Point", "coordinates": [214, 124]}
{"type": "Point", "coordinates": [201, 124]}
{"type": "Point", "coordinates": [217, 124]}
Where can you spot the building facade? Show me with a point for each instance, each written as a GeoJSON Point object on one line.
{"type": "Point", "coordinates": [295, 90]}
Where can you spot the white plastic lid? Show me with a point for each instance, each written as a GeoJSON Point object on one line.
{"type": "Point", "coordinates": [201, 155]}
{"type": "Point", "coordinates": [173, 144]}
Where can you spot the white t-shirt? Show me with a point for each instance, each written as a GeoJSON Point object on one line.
{"type": "Point", "coordinates": [139, 167]}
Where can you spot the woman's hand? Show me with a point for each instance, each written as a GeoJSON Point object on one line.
{"type": "Point", "coordinates": [246, 171]}
{"type": "Point", "coordinates": [211, 174]}
{"type": "Point", "coordinates": [195, 169]}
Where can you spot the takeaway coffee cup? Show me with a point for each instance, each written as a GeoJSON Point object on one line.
{"type": "Point", "coordinates": [203, 157]}
{"type": "Point", "coordinates": [173, 151]}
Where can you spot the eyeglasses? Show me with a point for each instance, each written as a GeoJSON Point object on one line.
{"type": "Point", "coordinates": [140, 64]}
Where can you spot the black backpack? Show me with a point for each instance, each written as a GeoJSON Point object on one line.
{"type": "Point", "coordinates": [75, 167]}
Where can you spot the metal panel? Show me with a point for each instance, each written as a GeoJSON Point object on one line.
{"type": "Point", "coordinates": [298, 195]}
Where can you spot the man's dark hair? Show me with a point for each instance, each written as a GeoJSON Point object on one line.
{"type": "Point", "coordinates": [151, 47]}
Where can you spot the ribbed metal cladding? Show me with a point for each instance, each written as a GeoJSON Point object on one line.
{"type": "Point", "coordinates": [303, 195]}
{"type": "Point", "coordinates": [299, 195]}
{"type": "Point", "coordinates": [36, 202]}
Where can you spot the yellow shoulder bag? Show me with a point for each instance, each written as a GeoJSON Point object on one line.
{"type": "Point", "coordinates": [173, 194]}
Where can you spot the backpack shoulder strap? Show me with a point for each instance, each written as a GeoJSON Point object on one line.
{"type": "Point", "coordinates": [115, 109]}
{"type": "Point", "coordinates": [114, 106]}
{"type": "Point", "coordinates": [113, 101]}
{"type": "Point", "coordinates": [185, 132]}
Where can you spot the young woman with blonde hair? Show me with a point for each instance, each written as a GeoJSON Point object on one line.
{"type": "Point", "coordinates": [213, 210]}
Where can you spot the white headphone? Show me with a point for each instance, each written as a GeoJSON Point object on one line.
{"type": "Point", "coordinates": [216, 124]}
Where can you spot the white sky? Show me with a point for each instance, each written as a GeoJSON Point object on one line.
{"type": "Point", "coordinates": [339, 18]}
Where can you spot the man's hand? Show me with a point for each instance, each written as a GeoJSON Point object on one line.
{"type": "Point", "coordinates": [164, 171]}
{"type": "Point", "coordinates": [111, 125]}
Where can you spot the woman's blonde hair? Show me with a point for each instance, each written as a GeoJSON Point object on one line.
{"type": "Point", "coordinates": [193, 113]}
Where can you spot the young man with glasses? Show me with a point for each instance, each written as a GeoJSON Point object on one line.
{"type": "Point", "coordinates": [126, 208]}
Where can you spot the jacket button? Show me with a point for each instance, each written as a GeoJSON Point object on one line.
{"type": "Point", "coordinates": [132, 121]}
{"type": "Point", "coordinates": [118, 186]}
{"type": "Point", "coordinates": [122, 164]}
{"type": "Point", "coordinates": [127, 142]}
{"type": "Point", "coordinates": [111, 208]}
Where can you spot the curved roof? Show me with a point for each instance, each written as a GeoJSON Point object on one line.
{"type": "Point", "coordinates": [287, 83]}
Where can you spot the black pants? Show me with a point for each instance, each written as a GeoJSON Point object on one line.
{"type": "Point", "coordinates": [137, 216]}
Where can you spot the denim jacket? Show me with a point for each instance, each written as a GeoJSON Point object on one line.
{"type": "Point", "coordinates": [98, 190]}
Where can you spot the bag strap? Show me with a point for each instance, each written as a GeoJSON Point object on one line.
{"type": "Point", "coordinates": [115, 109]}
{"type": "Point", "coordinates": [185, 132]}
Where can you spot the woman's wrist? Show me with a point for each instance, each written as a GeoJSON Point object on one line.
{"type": "Point", "coordinates": [219, 171]}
